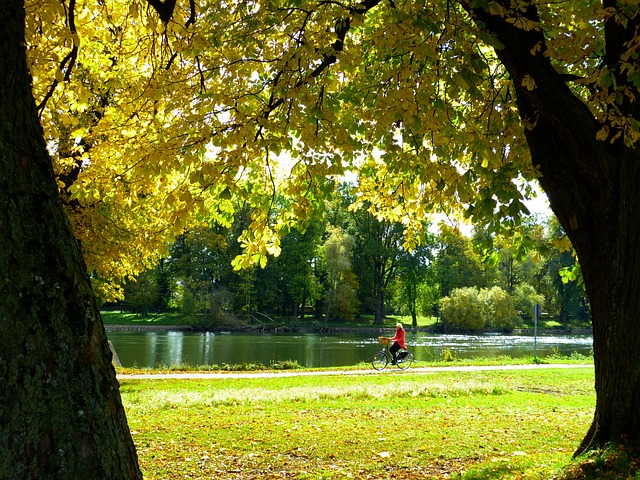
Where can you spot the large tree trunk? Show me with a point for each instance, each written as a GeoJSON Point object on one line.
{"type": "Point", "coordinates": [594, 189]}
{"type": "Point", "coordinates": [600, 218]}
{"type": "Point", "coordinates": [61, 416]}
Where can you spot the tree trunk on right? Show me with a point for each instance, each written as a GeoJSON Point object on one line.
{"type": "Point", "coordinates": [594, 189]}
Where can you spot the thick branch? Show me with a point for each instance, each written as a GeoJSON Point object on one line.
{"type": "Point", "coordinates": [548, 99]}
{"type": "Point", "coordinates": [192, 14]}
{"type": "Point", "coordinates": [165, 9]}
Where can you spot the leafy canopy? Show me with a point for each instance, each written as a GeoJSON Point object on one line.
{"type": "Point", "coordinates": [161, 116]}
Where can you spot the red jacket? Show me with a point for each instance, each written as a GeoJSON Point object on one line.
{"type": "Point", "coordinates": [399, 338]}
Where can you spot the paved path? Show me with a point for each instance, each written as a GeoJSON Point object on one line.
{"type": "Point", "coordinates": [293, 373]}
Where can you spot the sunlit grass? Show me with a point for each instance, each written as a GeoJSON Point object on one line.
{"type": "Point", "coordinates": [172, 318]}
{"type": "Point", "coordinates": [193, 398]}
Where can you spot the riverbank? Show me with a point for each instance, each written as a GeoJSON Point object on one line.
{"type": "Point", "coordinates": [190, 375]}
{"type": "Point", "coordinates": [315, 329]}
{"type": "Point", "coordinates": [249, 351]}
{"type": "Point", "coordinates": [121, 321]}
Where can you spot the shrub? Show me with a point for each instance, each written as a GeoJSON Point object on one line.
{"type": "Point", "coordinates": [499, 308]}
{"type": "Point", "coordinates": [463, 310]}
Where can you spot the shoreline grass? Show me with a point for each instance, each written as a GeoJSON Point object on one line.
{"type": "Point", "coordinates": [444, 424]}
{"type": "Point", "coordinates": [281, 365]}
{"type": "Point", "coordinates": [164, 319]}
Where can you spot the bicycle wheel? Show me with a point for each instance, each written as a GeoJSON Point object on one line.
{"type": "Point", "coordinates": [380, 361]}
{"type": "Point", "coordinates": [405, 362]}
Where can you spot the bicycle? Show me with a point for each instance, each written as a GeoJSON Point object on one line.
{"type": "Point", "coordinates": [382, 358]}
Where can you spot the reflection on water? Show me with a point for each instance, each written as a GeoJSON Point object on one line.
{"type": "Point", "coordinates": [150, 349]}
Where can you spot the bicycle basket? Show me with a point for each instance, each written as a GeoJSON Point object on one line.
{"type": "Point", "coordinates": [384, 340]}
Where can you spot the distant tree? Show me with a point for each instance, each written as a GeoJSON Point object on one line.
{"type": "Point", "coordinates": [337, 252]}
{"type": "Point", "coordinates": [247, 301]}
{"type": "Point", "coordinates": [378, 250]}
{"type": "Point", "coordinates": [410, 279]}
{"type": "Point", "coordinates": [562, 282]}
{"type": "Point", "coordinates": [199, 263]}
{"type": "Point", "coordinates": [143, 293]}
{"type": "Point", "coordinates": [297, 260]}
{"type": "Point", "coordinates": [499, 308]}
{"type": "Point", "coordinates": [345, 303]}
{"type": "Point", "coordinates": [525, 297]}
{"type": "Point", "coordinates": [515, 260]}
{"type": "Point", "coordinates": [456, 264]}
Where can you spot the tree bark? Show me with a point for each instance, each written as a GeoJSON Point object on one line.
{"type": "Point", "coordinates": [61, 415]}
{"type": "Point", "coordinates": [594, 189]}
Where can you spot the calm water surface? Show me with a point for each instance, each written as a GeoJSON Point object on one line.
{"type": "Point", "coordinates": [149, 349]}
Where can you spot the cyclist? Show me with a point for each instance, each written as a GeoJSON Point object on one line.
{"type": "Point", "coordinates": [398, 343]}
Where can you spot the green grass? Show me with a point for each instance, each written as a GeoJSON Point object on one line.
{"type": "Point", "coordinates": [467, 425]}
{"type": "Point", "coordinates": [126, 318]}
{"type": "Point", "coordinates": [118, 317]}
{"type": "Point", "coordinates": [167, 318]}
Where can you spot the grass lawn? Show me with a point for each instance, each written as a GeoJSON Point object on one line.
{"type": "Point", "coordinates": [468, 425]}
{"type": "Point", "coordinates": [117, 317]}
{"type": "Point", "coordinates": [111, 317]}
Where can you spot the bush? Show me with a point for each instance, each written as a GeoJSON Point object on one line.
{"type": "Point", "coordinates": [472, 309]}
{"type": "Point", "coordinates": [463, 310]}
{"type": "Point", "coordinates": [499, 308]}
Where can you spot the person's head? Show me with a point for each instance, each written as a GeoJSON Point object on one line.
{"type": "Point", "coordinates": [399, 326]}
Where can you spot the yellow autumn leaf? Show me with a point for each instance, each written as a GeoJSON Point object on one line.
{"type": "Point", "coordinates": [528, 82]}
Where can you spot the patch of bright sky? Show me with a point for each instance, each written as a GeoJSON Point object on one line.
{"type": "Point", "coordinates": [538, 206]}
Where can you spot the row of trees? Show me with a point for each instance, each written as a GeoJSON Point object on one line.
{"type": "Point", "coordinates": [349, 264]}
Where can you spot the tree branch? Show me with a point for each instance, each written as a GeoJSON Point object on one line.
{"type": "Point", "coordinates": [341, 29]}
{"type": "Point", "coordinates": [192, 14]}
{"type": "Point", "coordinates": [68, 62]}
{"type": "Point", "coordinates": [165, 9]}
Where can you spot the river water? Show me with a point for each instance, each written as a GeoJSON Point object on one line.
{"type": "Point", "coordinates": [151, 349]}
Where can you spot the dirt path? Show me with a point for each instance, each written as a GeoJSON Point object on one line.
{"type": "Point", "coordinates": [289, 373]}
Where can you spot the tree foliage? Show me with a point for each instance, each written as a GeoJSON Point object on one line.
{"type": "Point", "coordinates": [337, 252]}
{"type": "Point", "coordinates": [157, 124]}
{"type": "Point", "coordinates": [314, 269]}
